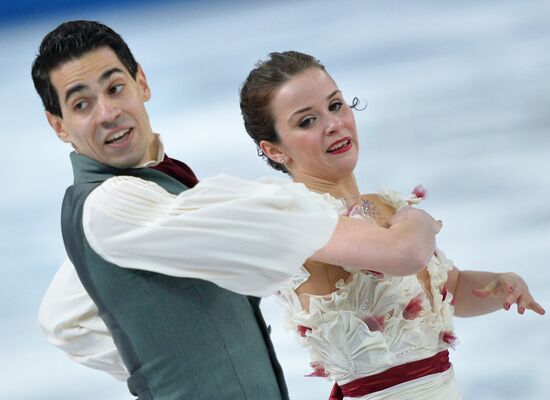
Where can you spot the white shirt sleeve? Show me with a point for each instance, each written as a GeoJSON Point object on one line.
{"type": "Point", "coordinates": [250, 237]}
{"type": "Point", "coordinates": [69, 319]}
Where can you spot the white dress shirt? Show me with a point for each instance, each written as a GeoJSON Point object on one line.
{"type": "Point", "coordinates": [250, 237]}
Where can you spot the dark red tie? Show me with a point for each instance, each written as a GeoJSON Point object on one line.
{"type": "Point", "coordinates": [177, 170]}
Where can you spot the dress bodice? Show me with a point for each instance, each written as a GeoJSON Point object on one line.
{"type": "Point", "coordinates": [372, 322]}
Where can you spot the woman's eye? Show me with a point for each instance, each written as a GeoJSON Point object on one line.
{"type": "Point", "coordinates": [306, 122]}
{"type": "Point", "coordinates": [116, 89]}
{"type": "Point", "coordinates": [335, 106]}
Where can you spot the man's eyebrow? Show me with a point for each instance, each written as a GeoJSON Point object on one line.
{"type": "Point", "coordinates": [80, 87]}
{"type": "Point", "coordinates": [73, 90]}
{"type": "Point", "coordinates": [309, 108]}
{"type": "Point", "coordinates": [107, 74]}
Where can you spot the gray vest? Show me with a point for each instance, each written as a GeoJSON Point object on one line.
{"type": "Point", "coordinates": [179, 338]}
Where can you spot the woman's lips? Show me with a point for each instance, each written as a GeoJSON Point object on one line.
{"type": "Point", "coordinates": [340, 146]}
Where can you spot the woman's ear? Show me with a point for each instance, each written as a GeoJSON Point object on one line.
{"type": "Point", "coordinates": [273, 152]}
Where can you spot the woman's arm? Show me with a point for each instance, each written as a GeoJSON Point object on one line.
{"type": "Point", "coordinates": [480, 292]}
{"type": "Point", "coordinates": [403, 249]}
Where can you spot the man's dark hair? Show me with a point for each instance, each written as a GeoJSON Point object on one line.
{"type": "Point", "coordinates": [69, 41]}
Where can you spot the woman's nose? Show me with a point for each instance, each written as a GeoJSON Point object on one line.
{"type": "Point", "coordinates": [334, 125]}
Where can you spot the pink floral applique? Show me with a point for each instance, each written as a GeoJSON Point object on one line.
{"type": "Point", "coordinates": [318, 370]}
{"type": "Point", "coordinates": [448, 337]}
{"type": "Point", "coordinates": [444, 291]}
{"type": "Point", "coordinates": [375, 323]}
{"type": "Point", "coordinates": [414, 308]}
{"type": "Point", "coordinates": [420, 192]}
{"type": "Point", "coordinates": [375, 273]}
{"type": "Point", "coordinates": [303, 330]}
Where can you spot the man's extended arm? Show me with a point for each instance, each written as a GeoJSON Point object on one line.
{"type": "Point", "coordinates": [246, 236]}
{"type": "Point", "coordinates": [69, 319]}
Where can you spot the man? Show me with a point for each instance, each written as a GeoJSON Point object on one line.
{"type": "Point", "coordinates": [169, 269]}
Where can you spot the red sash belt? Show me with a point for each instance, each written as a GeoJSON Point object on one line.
{"type": "Point", "coordinates": [393, 376]}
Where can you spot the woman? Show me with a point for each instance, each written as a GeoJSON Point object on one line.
{"type": "Point", "coordinates": [377, 336]}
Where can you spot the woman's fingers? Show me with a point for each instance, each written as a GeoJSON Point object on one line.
{"type": "Point", "coordinates": [509, 300]}
{"type": "Point", "coordinates": [513, 290]}
{"type": "Point", "coordinates": [526, 302]}
{"type": "Point", "coordinates": [536, 307]}
{"type": "Point", "coordinates": [438, 226]}
{"type": "Point", "coordinates": [508, 285]}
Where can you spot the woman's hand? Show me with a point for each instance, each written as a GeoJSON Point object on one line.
{"type": "Point", "coordinates": [511, 289]}
{"type": "Point", "coordinates": [402, 249]}
{"type": "Point", "coordinates": [417, 215]}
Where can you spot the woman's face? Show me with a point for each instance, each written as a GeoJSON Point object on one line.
{"type": "Point", "coordinates": [316, 127]}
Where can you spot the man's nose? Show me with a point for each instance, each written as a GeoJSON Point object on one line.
{"type": "Point", "coordinates": [108, 111]}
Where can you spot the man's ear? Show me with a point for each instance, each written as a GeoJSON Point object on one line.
{"type": "Point", "coordinates": [56, 123]}
{"type": "Point", "coordinates": [141, 80]}
{"type": "Point", "coordinates": [273, 152]}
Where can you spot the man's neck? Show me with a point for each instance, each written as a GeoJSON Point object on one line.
{"type": "Point", "coordinates": [155, 153]}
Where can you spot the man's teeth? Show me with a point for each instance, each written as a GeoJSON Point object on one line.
{"type": "Point", "coordinates": [118, 136]}
{"type": "Point", "coordinates": [338, 146]}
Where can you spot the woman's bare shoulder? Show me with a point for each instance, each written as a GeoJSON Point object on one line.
{"type": "Point", "coordinates": [380, 210]}
{"type": "Point", "coordinates": [379, 200]}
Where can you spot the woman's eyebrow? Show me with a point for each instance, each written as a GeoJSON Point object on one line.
{"type": "Point", "coordinates": [301, 110]}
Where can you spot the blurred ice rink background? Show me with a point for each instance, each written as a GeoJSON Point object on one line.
{"type": "Point", "coordinates": [459, 100]}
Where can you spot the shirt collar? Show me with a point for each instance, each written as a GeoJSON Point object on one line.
{"type": "Point", "coordinates": [160, 154]}
{"type": "Point", "coordinates": [86, 169]}
{"type": "Point", "coordinates": [150, 163]}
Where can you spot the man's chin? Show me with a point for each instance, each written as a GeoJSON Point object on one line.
{"type": "Point", "coordinates": [125, 163]}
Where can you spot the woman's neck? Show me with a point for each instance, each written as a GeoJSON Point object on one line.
{"type": "Point", "coordinates": [343, 188]}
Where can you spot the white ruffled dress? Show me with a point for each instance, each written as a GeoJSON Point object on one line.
{"type": "Point", "coordinates": [374, 322]}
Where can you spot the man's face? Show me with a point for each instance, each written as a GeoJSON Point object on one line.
{"type": "Point", "coordinates": [103, 109]}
